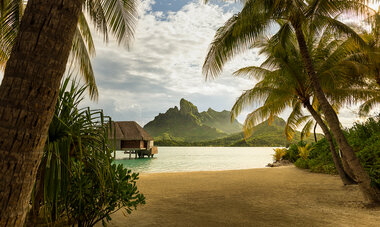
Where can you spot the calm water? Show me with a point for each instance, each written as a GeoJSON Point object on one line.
{"type": "Point", "coordinates": [186, 159]}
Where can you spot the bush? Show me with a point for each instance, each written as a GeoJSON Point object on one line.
{"type": "Point", "coordinates": [302, 163]}
{"type": "Point", "coordinates": [292, 153]}
{"type": "Point", "coordinates": [365, 140]}
{"type": "Point", "coordinates": [369, 157]}
{"type": "Point", "coordinates": [96, 192]}
{"type": "Point", "coordinates": [278, 154]}
{"type": "Point", "coordinates": [320, 158]}
{"type": "Point", "coordinates": [77, 183]}
{"type": "Point", "coordinates": [304, 151]}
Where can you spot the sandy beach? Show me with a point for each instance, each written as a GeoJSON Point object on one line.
{"type": "Point", "coordinates": [284, 196]}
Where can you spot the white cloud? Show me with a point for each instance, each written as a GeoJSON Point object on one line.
{"type": "Point", "coordinates": [164, 64]}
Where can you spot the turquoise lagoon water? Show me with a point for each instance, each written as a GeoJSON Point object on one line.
{"type": "Point", "coordinates": [187, 159]}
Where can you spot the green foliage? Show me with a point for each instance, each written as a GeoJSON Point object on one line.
{"type": "Point", "coordinates": [76, 178]}
{"type": "Point", "coordinates": [292, 153]}
{"type": "Point", "coordinates": [278, 154]}
{"type": "Point", "coordinates": [319, 159]}
{"type": "Point", "coordinates": [304, 151]}
{"type": "Point", "coordinates": [370, 158]}
{"type": "Point", "coordinates": [302, 163]}
{"type": "Point", "coordinates": [365, 139]}
{"type": "Point", "coordinates": [98, 189]}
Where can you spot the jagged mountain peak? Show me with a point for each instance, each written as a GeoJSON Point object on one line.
{"type": "Point", "coordinates": [187, 107]}
{"type": "Point", "coordinates": [187, 123]}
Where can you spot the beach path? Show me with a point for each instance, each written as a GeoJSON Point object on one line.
{"type": "Point", "coordinates": [284, 196]}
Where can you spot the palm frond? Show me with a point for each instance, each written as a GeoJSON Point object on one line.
{"type": "Point", "coordinates": [252, 72]}
{"type": "Point", "coordinates": [116, 16]}
{"type": "Point", "coordinates": [305, 132]}
{"type": "Point", "coordinates": [366, 107]}
{"type": "Point", "coordinates": [81, 57]}
{"type": "Point", "coordinates": [235, 36]}
{"type": "Point", "coordinates": [295, 119]}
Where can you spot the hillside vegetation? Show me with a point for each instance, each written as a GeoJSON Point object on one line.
{"type": "Point", "coordinates": [187, 124]}
{"type": "Point", "coordinates": [188, 127]}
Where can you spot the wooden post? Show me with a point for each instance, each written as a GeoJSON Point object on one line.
{"type": "Point", "coordinates": [130, 154]}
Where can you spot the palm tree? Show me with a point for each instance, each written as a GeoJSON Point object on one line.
{"type": "Point", "coordinates": [283, 82]}
{"type": "Point", "coordinates": [30, 87]}
{"type": "Point", "coordinates": [257, 16]}
{"type": "Point", "coordinates": [82, 46]}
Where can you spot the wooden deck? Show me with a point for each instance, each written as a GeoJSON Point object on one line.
{"type": "Point", "coordinates": [140, 153]}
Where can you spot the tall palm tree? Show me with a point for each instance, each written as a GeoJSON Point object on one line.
{"type": "Point", "coordinates": [283, 82]}
{"type": "Point", "coordinates": [82, 46]}
{"type": "Point", "coordinates": [257, 17]}
{"type": "Point", "coordinates": [30, 87]}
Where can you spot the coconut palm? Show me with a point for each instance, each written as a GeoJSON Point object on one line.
{"type": "Point", "coordinates": [257, 17]}
{"type": "Point", "coordinates": [283, 82]}
{"type": "Point", "coordinates": [30, 87]}
{"type": "Point", "coordinates": [82, 46]}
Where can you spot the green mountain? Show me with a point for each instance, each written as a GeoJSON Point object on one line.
{"type": "Point", "coordinates": [187, 127]}
{"type": "Point", "coordinates": [186, 124]}
{"type": "Point", "coordinates": [264, 134]}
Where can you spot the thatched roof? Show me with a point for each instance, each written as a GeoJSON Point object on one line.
{"type": "Point", "coordinates": [129, 130]}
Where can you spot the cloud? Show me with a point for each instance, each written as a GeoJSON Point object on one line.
{"type": "Point", "coordinates": [165, 61]}
{"type": "Point", "coordinates": [164, 64]}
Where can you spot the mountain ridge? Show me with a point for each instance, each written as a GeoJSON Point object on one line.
{"type": "Point", "coordinates": [186, 126]}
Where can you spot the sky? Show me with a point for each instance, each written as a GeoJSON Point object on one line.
{"type": "Point", "coordinates": [164, 64]}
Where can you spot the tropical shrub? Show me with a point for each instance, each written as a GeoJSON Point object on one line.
{"type": "Point", "coordinates": [365, 139]}
{"type": "Point", "coordinates": [302, 163]}
{"type": "Point", "coordinates": [320, 158]}
{"type": "Point", "coordinates": [292, 152]}
{"type": "Point", "coordinates": [278, 154]}
{"type": "Point", "coordinates": [77, 183]}
{"type": "Point", "coordinates": [304, 151]}
{"type": "Point", "coordinates": [91, 198]}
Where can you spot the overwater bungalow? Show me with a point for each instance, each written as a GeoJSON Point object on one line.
{"type": "Point", "coordinates": [133, 139]}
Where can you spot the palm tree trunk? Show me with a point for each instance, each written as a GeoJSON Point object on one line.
{"type": "Point", "coordinates": [346, 179]}
{"type": "Point", "coordinates": [28, 94]}
{"type": "Point", "coordinates": [370, 193]}
{"type": "Point", "coordinates": [315, 132]}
